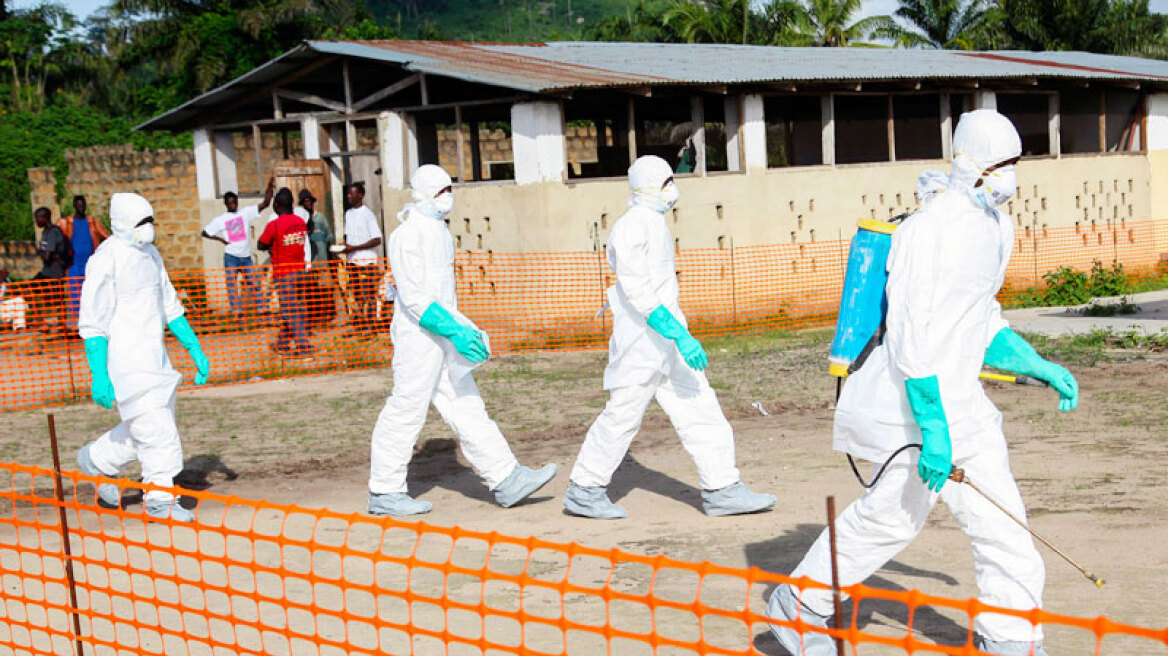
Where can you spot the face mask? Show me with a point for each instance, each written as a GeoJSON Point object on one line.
{"type": "Point", "coordinates": [142, 235]}
{"type": "Point", "coordinates": [669, 195]}
{"type": "Point", "coordinates": [659, 200]}
{"type": "Point", "coordinates": [997, 187]}
{"type": "Point", "coordinates": [443, 203]}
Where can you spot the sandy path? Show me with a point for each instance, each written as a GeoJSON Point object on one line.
{"type": "Point", "coordinates": [1088, 478]}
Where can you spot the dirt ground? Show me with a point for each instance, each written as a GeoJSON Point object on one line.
{"type": "Point", "coordinates": [1092, 480]}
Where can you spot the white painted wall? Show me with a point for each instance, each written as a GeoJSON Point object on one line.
{"type": "Point", "coordinates": [983, 99]}
{"type": "Point", "coordinates": [754, 132]}
{"type": "Point", "coordinates": [391, 139]}
{"type": "Point", "coordinates": [225, 162]}
{"type": "Point", "coordinates": [537, 141]}
{"type": "Point", "coordinates": [1158, 121]}
{"type": "Point", "coordinates": [204, 164]}
{"type": "Point", "coordinates": [310, 132]}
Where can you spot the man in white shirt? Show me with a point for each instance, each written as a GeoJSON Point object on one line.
{"type": "Point", "coordinates": [231, 228]}
{"type": "Point", "coordinates": [362, 237]}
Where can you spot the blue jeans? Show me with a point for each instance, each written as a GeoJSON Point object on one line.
{"type": "Point", "coordinates": [292, 332]}
{"type": "Point", "coordinates": [240, 271]}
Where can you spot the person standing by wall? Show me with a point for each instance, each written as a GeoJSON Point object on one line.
{"type": "Point", "coordinates": [320, 232]}
{"type": "Point", "coordinates": [362, 237]}
{"type": "Point", "coordinates": [54, 250]}
{"type": "Point", "coordinates": [231, 229]}
{"type": "Point", "coordinates": [85, 233]}
{"type": "Point", "coordinates": [319, 301]}
{"type": "Point", "coordinates": [286, 236]}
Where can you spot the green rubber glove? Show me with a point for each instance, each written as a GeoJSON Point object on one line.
{"type": "Point", "coordinates": [97, 355]}
{"type": "Point", "coordinates": [1010, 352]}
{"type": "Point", "coordinates": [466, 340]}
{"type": "Point", "coordinates": [691, 349]}
{"type": "Point", "coordinates": [186, 336]}
{"type": "Point", "coordinates": [924, 397]}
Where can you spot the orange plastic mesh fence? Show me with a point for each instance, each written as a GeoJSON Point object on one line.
{"type": "Point", "coordinates": [252, 577]}
{"type": "Point", "coordinates": [523, 301]}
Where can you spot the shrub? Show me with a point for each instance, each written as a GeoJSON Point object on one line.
{"type": "Point", "coordinates": [1065, 286]}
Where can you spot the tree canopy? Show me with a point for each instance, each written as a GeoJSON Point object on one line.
{"type": "Point", "coordinates": [67, 83]}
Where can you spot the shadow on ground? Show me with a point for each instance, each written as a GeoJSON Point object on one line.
{"type": "Point", "coordinates": [783, 553]}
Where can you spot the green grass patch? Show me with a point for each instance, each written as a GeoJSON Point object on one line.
{"type": "Point", "coordinates": [772, 340]}
{"type": "Point", "coordinates": [1098, 345]}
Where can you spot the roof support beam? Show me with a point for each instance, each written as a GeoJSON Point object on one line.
{"type": "Point", "coordinates": [779, 86]}
{"type": "Point", "coordinates": [643, 91]}
{"type": "Point", "coordinates": [388, 91]}
{"type": "Point", "coordinates": [266, 90]}
{"type": "Point", "coordinates": [509, 100]}
{"type": "Point", "coordinates": [311, 99]}
{"type": "Point", "coordinates": [348, 86]}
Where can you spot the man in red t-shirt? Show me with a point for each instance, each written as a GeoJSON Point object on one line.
{"type": "Point", "coordinates": [285, 236]}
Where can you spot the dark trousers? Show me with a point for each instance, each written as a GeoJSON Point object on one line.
{"type": "Point", "coordinates": [292, 332]}
{"type": "Point", "coordinates": [363, 283]}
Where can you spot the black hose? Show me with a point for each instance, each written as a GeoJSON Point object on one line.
{"type": "Point", "coordinates": [879, 473]}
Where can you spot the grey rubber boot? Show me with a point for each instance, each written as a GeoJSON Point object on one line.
{"type": "Point", "coordinates": [784, 605]}
{"type": "Point", "coordinates": [736, 499]}
{"type": "Point", "coordinates": [1007, 647]}
{"type": "Point", "coordinates": [108, 494]}
{"type": "Point", "coordinates": [397, 505]}
{"type": "Point", "coordinates": [591, 502]}
{"type": "Point", "coordinates": [521, 483]}
{"type": "Point", "coordinates": [168, 509]}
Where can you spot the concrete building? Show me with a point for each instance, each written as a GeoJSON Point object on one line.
{"type": "Point", "coordinates": [783, 145]}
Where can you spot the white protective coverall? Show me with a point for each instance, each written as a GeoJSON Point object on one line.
{"type": "Point", "coordinates": [643, 364]}
{"type": "Point", "coordinates": [945, 267]}
{"type": "Point", "coordinates": [426, 367]}
{"type": "Point", "coordinates": [127, 298]}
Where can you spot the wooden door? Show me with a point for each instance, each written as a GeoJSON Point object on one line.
{"type": "Point", "coordinates": [310, 174]}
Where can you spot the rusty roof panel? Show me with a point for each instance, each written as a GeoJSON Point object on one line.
{"type": "Point", "coordinates": [563, 66]}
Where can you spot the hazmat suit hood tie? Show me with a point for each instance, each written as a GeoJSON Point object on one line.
{"type": "Point", "coordinates": [425, 185]}
{"type": "Point", "coordinates": [127, 211]}
{"type": "Point", "coordinates": [647, 179]}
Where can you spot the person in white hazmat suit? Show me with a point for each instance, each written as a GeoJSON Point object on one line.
{"type": "Point", "coordinates": [920, 386]}
{"type": "Point", "coordinates": [435, 350]}
{"type": "Point", "coordinates": [127, 303]}
{"type": "Point", "coordinates": [652, 355]}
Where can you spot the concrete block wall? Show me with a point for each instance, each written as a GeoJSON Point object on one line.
{"type": "Point", "coordinates": [271, 150]}
{"type": "Point", "coordinates": [165, 177]}
{"type": "Point", "coordinates": [20, 258]}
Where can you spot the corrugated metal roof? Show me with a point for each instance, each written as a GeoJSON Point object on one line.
{"type": "Point", "coordinates": [717, 64]}
{"type": "Point", "coordinates": [516, 67]}
{"type": "Point", "coordinates": [562, 66]}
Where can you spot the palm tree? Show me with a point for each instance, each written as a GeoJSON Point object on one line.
{"type": "Point", "coordinates": [34, 48]}
{"type": "Point", "coordinates": [732, 21]}
{"type": "Point", "coordinates": [830, 23]}
{"type": "Point", "coordinates": [951, 24]}
{"type": "Point", "coordinates": [641, 22]}
{"type": "Point", "coordinates": [1106, 26]}
{"type": "Point", "coordinates": [712, 21]}
{"type": "Point", "coordinates": [202, 43]}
